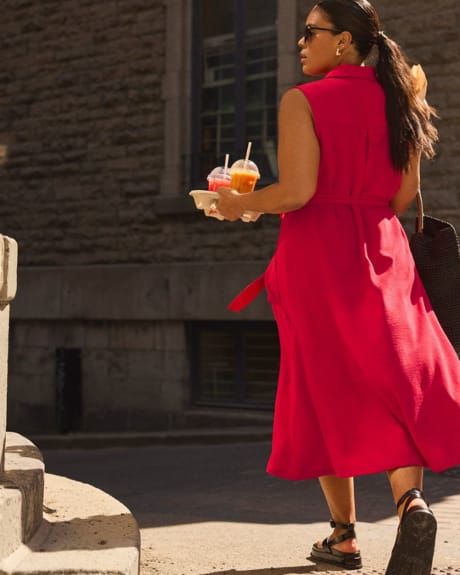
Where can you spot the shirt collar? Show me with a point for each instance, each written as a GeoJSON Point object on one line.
{"type": "Point", "coordinates": [352, 71]}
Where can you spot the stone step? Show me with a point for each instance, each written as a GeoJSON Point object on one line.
{"type": "Point", "coordinates": [84, 531]}
{"type": "Point", "coordinates": [21, 493]}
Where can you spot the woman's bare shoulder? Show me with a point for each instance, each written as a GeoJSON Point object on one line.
{"type": "Point", "coordinates": [295, 101]}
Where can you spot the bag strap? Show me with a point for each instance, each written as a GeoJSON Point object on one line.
{"type": "Point", "coordinates": [420, 212]}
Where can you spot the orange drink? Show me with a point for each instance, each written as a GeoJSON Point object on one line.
{"type": "Point", "coordinates": [244, 175]}
{"type": "Point", "coordinates": [244, 181]}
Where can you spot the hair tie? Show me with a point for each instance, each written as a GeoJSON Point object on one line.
{"type": "Point", "coordinates": [381, 38]}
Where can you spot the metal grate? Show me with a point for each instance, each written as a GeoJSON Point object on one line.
{"type": "Point", "coordinates": [234, 363]}
{"type": "Point", "coordinates": [68, 389]}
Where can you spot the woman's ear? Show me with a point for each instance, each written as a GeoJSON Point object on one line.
{"type": "Point", "coordinates": [346, 39]}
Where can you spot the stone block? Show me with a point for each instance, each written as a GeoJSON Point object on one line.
{"type": "Point", "coordinates": [32, 361]}
{"type": "Point", "coordinates": [104, 364]}
{"type": "Point", "coordinates": [40, 294]}
{"type": "Point", "coordinates": [30, 418]}
{"type": "Point", "coordinates": [96, 335]}
{"type": "Point", "coordinates": [4, 320]}
{"type": "Point", "coordinates": [173, 337]}
{"type": "Point", "coordinates": [136, 336]}
{"type": "Point", "coordinates": [85, 531]}
{"type": "Point", "coordinates": [21, 493]}
{"type": "Point", "coordinates": [68, 334]}
{"type": "Point", "coordinates": [35, 335]}
{"type": "Point", "coordinates": [10, 513]}
{"type": "Point", "coordinates": [144, 364]}
{"type": "Point", "coordinates": [37, 389]}
{"type": "Point", "coordinates": [8, 269]}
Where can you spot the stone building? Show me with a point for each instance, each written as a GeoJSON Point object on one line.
{"type": "Point", "coordinates": [111, 111]}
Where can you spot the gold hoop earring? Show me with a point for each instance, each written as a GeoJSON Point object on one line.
{"type": "Point", "coordinates": [338, 53]}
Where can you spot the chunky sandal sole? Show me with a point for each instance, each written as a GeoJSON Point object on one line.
{"type": "Point", "coordinates": [327, 554]}
{"type": "Point", "coordinates": [339, 558]}
{"type": "Point", "coordinates": [414, 548]}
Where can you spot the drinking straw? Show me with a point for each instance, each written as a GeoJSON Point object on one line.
{"type": "Point", "coordinates": [248, 151]}
{"type": "Point", "coordinates": [227, 157]}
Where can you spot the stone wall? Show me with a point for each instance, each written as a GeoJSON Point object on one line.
{"type": "Point", "coordinates": [81, 117]}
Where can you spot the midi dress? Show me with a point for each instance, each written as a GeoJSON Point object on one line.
{"type": "Point", "coordinates": [368, 381]}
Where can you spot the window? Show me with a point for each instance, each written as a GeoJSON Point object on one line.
{"type": "Point", "coordinates": [234, 363]}
{"type": "Point", "coordinates": [182, 87]}
{"type": "Point", "coordinates": [234, 84]}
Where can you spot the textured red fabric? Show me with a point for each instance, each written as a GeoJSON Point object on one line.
{"type": "Point", "coordinates": [368, 380]}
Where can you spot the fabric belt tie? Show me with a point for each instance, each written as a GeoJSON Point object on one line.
{"type": "Point", "coordinates": [250, 292]}
{"type": "Point", "coordinates": [246, 296]}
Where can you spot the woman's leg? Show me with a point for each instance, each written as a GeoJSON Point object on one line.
{"type": "Point", "coordinates": [414, 546]}
{"type": "Point", "coordinates": [340, 497]}
{"type": "Point", "coordinates": [403, 479]}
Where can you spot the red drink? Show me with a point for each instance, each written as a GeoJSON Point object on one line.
{"type": "Point", "coordinates": [218, 178]}
{"type": "Point", "coordinates": [215, 184]}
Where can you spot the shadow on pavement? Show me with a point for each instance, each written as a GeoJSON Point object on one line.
{"type": "Point", "coordinates": [175, 485]}
{"type": "Point", "coordinates": [300, 570]}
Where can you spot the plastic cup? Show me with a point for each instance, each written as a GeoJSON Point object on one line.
{"type": "Point", "coordinates": [244, 174]}
{"type": "Point", "coordinates": [218, 178]}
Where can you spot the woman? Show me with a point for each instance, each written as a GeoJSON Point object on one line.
{"type": "Point", "coordinates": [366, 372]}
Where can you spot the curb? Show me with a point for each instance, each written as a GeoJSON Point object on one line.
{"type": "Point", "coordinates": [143, 439]}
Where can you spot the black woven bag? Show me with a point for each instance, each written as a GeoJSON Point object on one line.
{"type": "Point", "coordinates": [436, 251]}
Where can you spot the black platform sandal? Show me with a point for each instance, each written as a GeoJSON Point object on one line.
{"type": "Point", "coordinates": [414, 546]}
{"type": "Point", "coordinates": [326, 553]}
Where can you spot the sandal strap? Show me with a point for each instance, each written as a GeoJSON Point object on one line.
{"type": "Point", "coordinates": [408, 497]}
{"type": "Point", "coordinates": [350, 533]}
{"type": "Point", "coordinates": [347, 526]}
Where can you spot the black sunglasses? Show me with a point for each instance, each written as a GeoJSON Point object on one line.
{"type": "Point", "coordinates": [309, 29]}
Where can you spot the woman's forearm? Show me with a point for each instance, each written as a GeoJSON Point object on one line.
{"type": "Point", "coordinates": [272, 199]}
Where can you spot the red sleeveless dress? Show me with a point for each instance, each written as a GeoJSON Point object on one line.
{"type": "Point", "coordinates": [368, 380]}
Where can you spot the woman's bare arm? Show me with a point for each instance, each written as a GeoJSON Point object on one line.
{"type": "Point", "coordinates": [298, 162]}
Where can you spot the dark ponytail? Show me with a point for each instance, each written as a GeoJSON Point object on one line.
{"type": "Point", "coordinates": [407, 115]}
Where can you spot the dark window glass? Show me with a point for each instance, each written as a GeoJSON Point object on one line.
{"type": "Point", "coordinates": [234, 363]}
{"type": "Point", "coordinates": [234, 95]}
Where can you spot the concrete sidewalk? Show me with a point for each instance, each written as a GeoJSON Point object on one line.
{"type": "Point", "coordinates": [212, 510]}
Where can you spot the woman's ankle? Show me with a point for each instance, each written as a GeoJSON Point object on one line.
{"type": "Point", "coordinates": [347, 546]}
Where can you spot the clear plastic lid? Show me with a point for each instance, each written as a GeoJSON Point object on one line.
{"type": "Point", "coordinates": [219, 173]}
{"type": "Point", "coordinates": [245, 166]}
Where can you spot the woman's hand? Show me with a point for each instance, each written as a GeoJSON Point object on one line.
{"type": "Point", "coordinates": [228, 204]}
